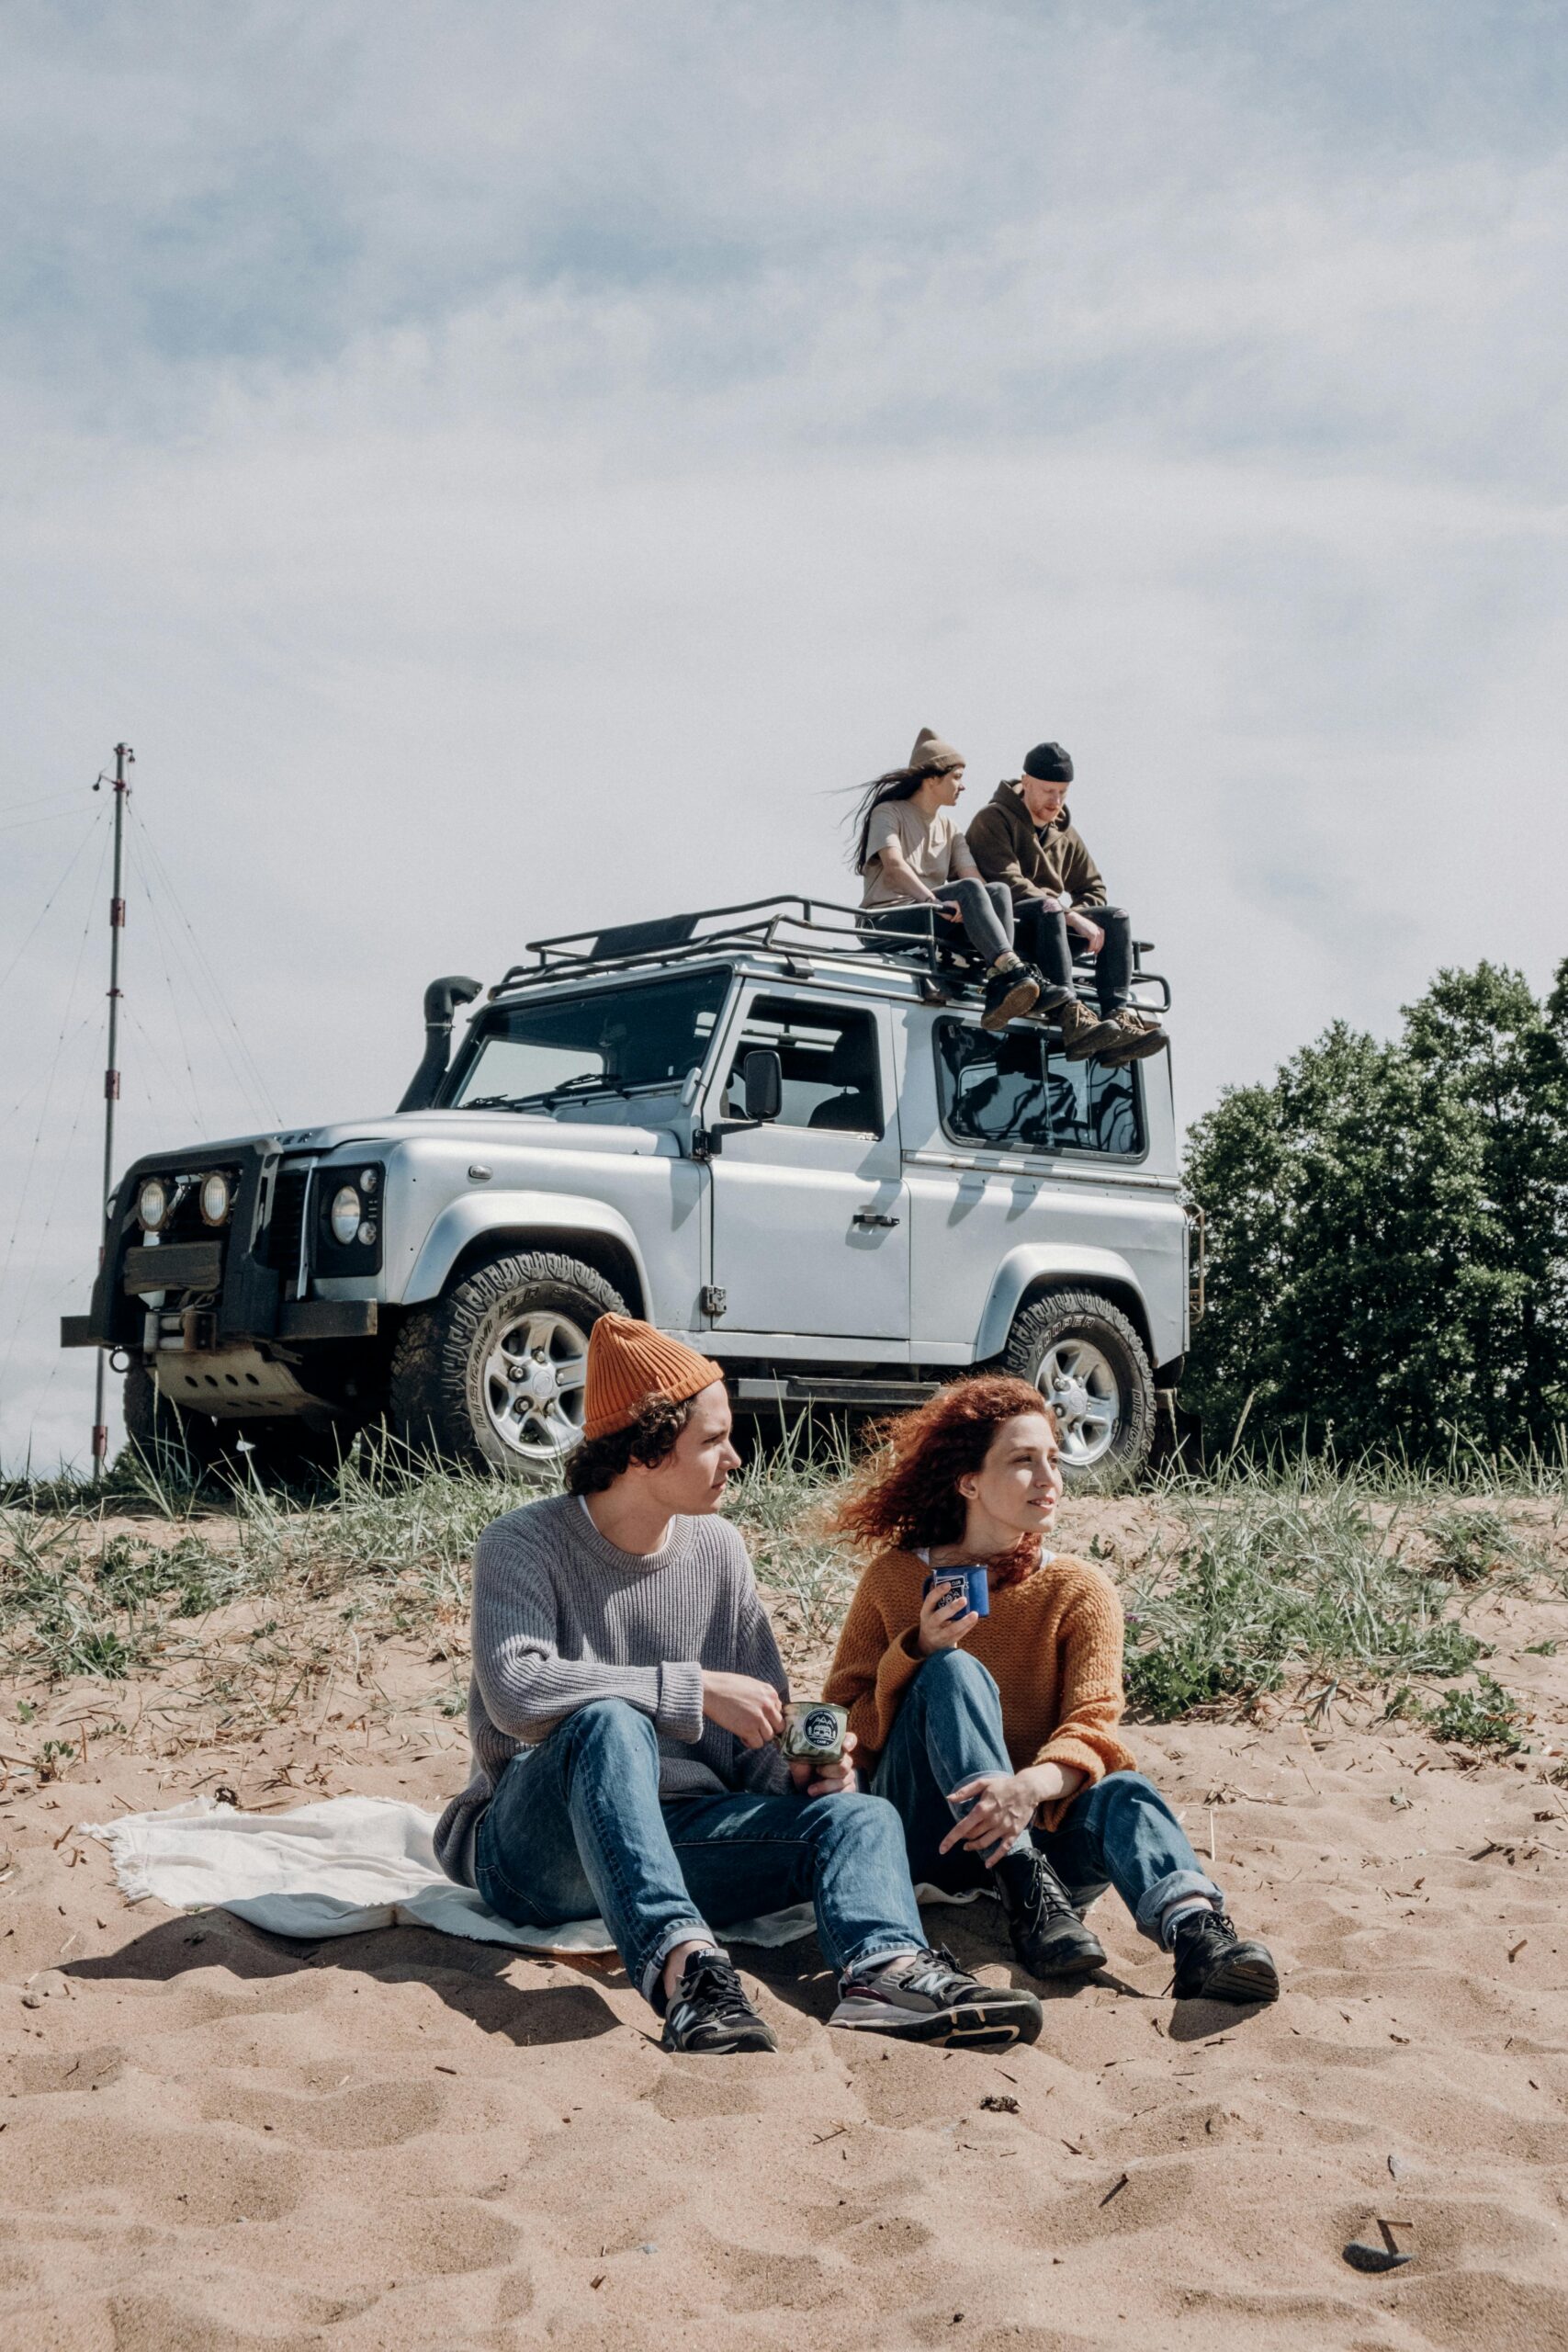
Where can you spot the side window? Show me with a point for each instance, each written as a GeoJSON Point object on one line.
{"type": "Point", "coordinates": [829, 1060]}
{"type": "Point", "coordinates": [1004, 1090]}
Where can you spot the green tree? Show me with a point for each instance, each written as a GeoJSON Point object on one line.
{"type": "Point", "coordinates": [1388, 1231]}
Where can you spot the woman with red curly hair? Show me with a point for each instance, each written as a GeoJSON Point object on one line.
{"type": "Point", "coordinates": [996, 1735]}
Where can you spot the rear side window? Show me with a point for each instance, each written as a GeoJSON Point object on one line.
{"type": "Point", "coordinates": [829, 1060]}
{"type": "Point", "coordinates": [1003, 1091]}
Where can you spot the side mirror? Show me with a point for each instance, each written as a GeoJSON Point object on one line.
{"type": "Point", "coordinates": [762, 1078]}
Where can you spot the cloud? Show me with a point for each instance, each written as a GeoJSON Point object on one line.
{"type": "Point", "coordinates": [512, 472]}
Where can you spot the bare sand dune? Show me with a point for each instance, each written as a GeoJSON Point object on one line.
{"type": "Point", "coordinates": [209, 2139]}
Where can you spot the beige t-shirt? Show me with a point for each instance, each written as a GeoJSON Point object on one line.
{"type": "Point", "coordinates": [927, 845]}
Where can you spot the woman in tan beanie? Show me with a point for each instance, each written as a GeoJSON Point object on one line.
{"type": "Point", "coordinates": [628, 1693]}
{"type": "Point", "coordinates": [909, 853]}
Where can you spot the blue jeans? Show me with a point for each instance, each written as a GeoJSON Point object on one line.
{"type": "Point", "coordinates": [1119, 1833]}
{"type": "Point", "coordinates": [577, 1826]}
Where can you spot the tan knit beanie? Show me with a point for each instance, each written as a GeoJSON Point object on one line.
{"type": "Point", "coordinates": [930, 752]}
{"type": "Point", "coordinates": [628, 1364]}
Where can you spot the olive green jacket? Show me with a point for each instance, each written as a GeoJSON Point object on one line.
{"type": "Point", "coordinates": [1006, 848]}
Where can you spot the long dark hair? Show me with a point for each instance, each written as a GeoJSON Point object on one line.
{"type": "Point", "coordinates": [899, 784]}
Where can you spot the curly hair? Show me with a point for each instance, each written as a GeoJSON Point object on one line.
{"type": "Point", "coordinates": [649, 1438]}
{"type": "Point", "coordinates": [907, 1493]}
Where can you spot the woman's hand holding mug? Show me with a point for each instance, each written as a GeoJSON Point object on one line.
{"type": "Point", "coordinates": [945, 1618]}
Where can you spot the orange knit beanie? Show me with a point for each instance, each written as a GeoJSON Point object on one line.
{"type": "Point", "coordinates": [628, 1364]}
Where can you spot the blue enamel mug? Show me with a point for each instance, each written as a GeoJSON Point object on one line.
{"type": "Point", "coordinates": [975, 1584]}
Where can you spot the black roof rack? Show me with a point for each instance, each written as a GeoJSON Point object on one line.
{"type": "Point", "coordinates": [775, 923]}
{"type": "Point", "coordinates": [790, 926]}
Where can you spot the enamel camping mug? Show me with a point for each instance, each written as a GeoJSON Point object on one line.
{"type": "Point", "coordinates": [814, 1731]}
{"type": "Point", "coordinates": [974, 1585]}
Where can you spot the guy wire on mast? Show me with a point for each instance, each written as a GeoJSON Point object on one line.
{"type": "Point", "coordinates": [124, 757]}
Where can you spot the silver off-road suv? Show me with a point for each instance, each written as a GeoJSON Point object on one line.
{"type": "Point", "coordinates": [788, 1143]}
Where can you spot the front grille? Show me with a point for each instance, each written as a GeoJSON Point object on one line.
{"type": "Point", "coordinates": [281, 1247]}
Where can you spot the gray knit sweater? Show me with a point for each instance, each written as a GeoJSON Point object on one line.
{"type": "Point", "coordinates": [561, 1617]}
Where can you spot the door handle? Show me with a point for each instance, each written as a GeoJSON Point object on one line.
{"type": "Point", "coordinates": [873, 1216]}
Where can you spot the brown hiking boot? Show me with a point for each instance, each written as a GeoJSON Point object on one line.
{"type": "Point", "coordinates": [1138, 1035]}
{"type": "Point", "coordinates": [1082, 1036]}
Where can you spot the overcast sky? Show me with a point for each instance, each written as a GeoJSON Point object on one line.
{"type": "Point", "coordinates": [508, 467]}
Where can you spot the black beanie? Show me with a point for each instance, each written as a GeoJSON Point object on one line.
{"type": "Point", "coordinates": [1048, 763]}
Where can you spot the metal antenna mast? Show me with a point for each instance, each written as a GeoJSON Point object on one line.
{"type": "Point", "coordinates": [124, 757]}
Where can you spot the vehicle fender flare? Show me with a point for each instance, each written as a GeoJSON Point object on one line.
{"type": "Point", "coordinates": [468, 1219]}
{"type": "Point", "coordinates": [1031, 1264]}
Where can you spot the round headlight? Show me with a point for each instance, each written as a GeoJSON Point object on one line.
{"type": "Point", "coordinates": [153, 1203]}
{"type": "Point", "coordinates": [345, 1214]}
{"type": "Point", "coordinates": [215, 1198]}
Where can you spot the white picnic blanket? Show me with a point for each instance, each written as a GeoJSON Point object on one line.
{"type": "Point", "coordinates": [339, 1868]}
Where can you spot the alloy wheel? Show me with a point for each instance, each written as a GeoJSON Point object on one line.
{"type": "Point", "coordinates": [1079, 1384]}
{"type": "Point", "coordinates": [533, 1386]}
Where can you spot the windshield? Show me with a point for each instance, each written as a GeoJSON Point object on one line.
{"type": "Point", "coordinates": [567, 1049]}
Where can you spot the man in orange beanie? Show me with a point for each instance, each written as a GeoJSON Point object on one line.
{"type": "Point", "coordinates": [626, 1698]}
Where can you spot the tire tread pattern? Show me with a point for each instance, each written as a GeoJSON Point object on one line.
{"type": "Point", "coordinates": [432, 1371]}
{"type": "Point", "coordinates": [1049, 1316]}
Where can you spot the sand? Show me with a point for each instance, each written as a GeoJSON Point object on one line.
{"type": "Point", "coordinates": [212, 2139]}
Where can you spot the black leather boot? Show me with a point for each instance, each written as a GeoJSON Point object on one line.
{"type": "Point", "coordinates": [1213, 1963]}
{"type": "Point", "coordinates": [1047, 1934]}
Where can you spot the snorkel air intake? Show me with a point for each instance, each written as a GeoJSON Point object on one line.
{"type": "Point", "coordinates": [441, 999]}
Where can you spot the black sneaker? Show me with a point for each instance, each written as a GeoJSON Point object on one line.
{"type": "Point", "coordinates": [709, 2013]}
{"type": "Point", "coordinates": [1214, 1964]}
{"type": "Point", "coordinates": [926, 1997]}
{"type": "Point", "coordinates": [1053, 995]}
{"type": "Point", "coordinates": [1009, 994]}
{"type": "Point", "coordinates": [1047, 1934]}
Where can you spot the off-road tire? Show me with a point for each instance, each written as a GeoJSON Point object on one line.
{"type": "Point", "coordinates": [185, 1445]}
{"type": "Point", "coordinates": [435, 1396]}
{"type": "Point", "coordinates": [1056, 1315]}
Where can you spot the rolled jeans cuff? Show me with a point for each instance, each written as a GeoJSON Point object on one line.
{"type": "Point", "coordinates": [684, 1931]}
{"type": "Point", "coordinates": [880, 1947]}
{"type": "Point", "coordinates": [1172, 1888]}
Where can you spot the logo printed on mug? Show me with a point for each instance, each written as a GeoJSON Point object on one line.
{"type": "Point", "coordinates": [814, 1730]}
{"type": "Point", "coordinates": [971, 1586]}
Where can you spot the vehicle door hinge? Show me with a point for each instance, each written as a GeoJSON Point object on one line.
{"type": "Point", "coordinates": [712, 1300]}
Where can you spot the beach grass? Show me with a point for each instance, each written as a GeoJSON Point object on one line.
{"type": "Point", "coordinates": [1288, 1580]}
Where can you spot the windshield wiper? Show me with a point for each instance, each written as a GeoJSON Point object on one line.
{"type": "Point", "coordinates": [586, 1082]}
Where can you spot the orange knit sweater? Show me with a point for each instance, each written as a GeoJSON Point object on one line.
{"type": "Point", "coordinates": [1052, 1642]}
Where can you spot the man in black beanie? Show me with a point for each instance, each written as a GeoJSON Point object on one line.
{"type": "Point", "coordinates": [1025, 838]}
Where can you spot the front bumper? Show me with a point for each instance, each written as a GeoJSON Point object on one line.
{"type": "Point", "coordinates": [234, 1287]}
{"type": "Point", "coordinates": [303, 1319]}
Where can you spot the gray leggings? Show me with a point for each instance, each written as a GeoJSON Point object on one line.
{"type": "Point", "coordinates": [986, 908]}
